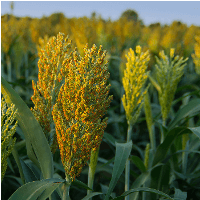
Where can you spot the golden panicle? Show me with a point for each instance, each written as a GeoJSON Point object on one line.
{"type": "Point", "coordinates": [51, 64]}
{"type": "Point", "coordinates": [82, 102]}
{"type": "Point", "coordinates": [135, 76]}
{"type": "Point", "coordinates": [8, 115]}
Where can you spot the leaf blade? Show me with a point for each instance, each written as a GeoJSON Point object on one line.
{"type": "Point", "coordinates": [192, 107]}
{"type": "Point", "coordinates": [34, 135]}
{"type": "Point", "coordinates": [32, 190]}
{"type": "Point", "coordinates": [123, 151]}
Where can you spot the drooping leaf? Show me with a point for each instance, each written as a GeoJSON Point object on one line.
{"type": "Point", "coordinates": [160, 179]}
{"type": "Point", "coordinates": [123, 151]}
{"type": "Point", "coordinates": [109, 138]}
{"type": "Point", "coordinates": [144, 189]}
{"type": "Point", "coordinates": [91, 195]}
{"type": "Point", "coordinates": [28, 173]}
{"type": "Point", "coordinates": [36, 142]}
{"type": "Point", "coordinates": [32, 190]}
{"type": "Point", "coordinates": [191, 108]}
{"type": "Point", "coordinates": [19, 180]}
{"type": "Point", "coordinates": [139, 163]}
{"type": "Point", "coordinates": [106, 162]}
{"type": "Point", "coordinates": [80, 184]}
{"type": "Point", "coordinates": [50, 191]}
{"type": "Point", "coordinates": [139, 181]}
{"type": "Point", "coordinates": [163, 148]}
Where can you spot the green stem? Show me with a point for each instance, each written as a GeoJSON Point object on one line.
{"type": "Point", "coordinates": [162, 132]}
{"type": "Point", "coordinates": [66, 189]}
{"type": "Point", "coordinates": [149, 121]}
{"type": "Point", "coordinates": [17, 160]}
{"type": "Point", "coordinates": [164, 122]}
{"type": "Point", "coordinates": [127, 168]}
{"type": "Point", "coordinates": [152, 139]}
{"type": "Point", "coordinates": [92, 169]}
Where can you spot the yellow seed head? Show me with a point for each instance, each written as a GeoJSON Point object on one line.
{"type": "Point", "coordinates": [135, 76]}
{"type": "Point", "coordinates": [82, 102]}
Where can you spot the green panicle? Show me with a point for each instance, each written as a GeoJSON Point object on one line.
{"type": "Point", "coordinates": [8, 115]}
{"type": "Point", "coordinates": [169, 71]}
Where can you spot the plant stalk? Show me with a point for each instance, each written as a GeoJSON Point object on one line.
{"type": "Point", "coordinates": [152, 138]}
{"type": "Point", "coordinates": [92, 169]}
{"type": "Point", "coordinates": [127, 168]}
{"type": "Point", "coordinates": [66, 189]}
{"type": "Point", "coordinates": [162, 132]}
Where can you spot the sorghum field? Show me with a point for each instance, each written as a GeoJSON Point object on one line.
{"type": "Point", "coordinates": [99, 109]}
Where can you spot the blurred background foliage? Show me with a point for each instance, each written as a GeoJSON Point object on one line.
{"type": "Point", "coordinates": [20, 43]}
{"type": "Point", "coordinates": [20, 40]}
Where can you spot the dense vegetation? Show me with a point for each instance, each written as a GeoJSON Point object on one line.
{"type": "Point", "coordinates": [177, 166]}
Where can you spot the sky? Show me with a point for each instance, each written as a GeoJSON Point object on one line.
{"type": "Point", "coordinates": [165, 12]}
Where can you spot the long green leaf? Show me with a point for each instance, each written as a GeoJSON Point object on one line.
{"type": "Point", "coordinates": [48, 191]}
{"type": "Point", "coordinates": [159, 178]}
{"type": "Point", "coordinates": [80, 184]}
{"type": "Point", "coordinates": [17, 160]}
{"type": "Point", "coordinates": [28, 173]}
{"type": "Point", "coordinates": [139, 163]}
{"type": "Point", "coordinates": [109, 138]}
{"type": "Point", "coordinates": [123, 151]}
{"type": "Point", "coordinates": [192, 107]}
{"type": "Point", "coordinates": [35, 139]}
{"type": "Point", "coordinates": [139, 181]}
{"type": "Point", "coordinates": [180, 151]}
{"type": "Point", "coordinates": [91, 195]}
{"type": "Point", "coordinates": [143, 190]}
{"type": "Point", "coordinates": [163, 148]}
{"type": "Point", "coordinates": [19, 180]}
{"type": "Point", "coordinates": [31, 191]}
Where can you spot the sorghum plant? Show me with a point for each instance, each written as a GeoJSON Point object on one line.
{"type": "Point", "coordinates": [169, 71]}
{"type": "Point", "coordinates": [82, 102]}
{"type": "Point", "coordinates": [135, 77]}
{"type": "Point", "coordinates": [8, 115]}
{"type": "Point", "coordinates": [72, 92]}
